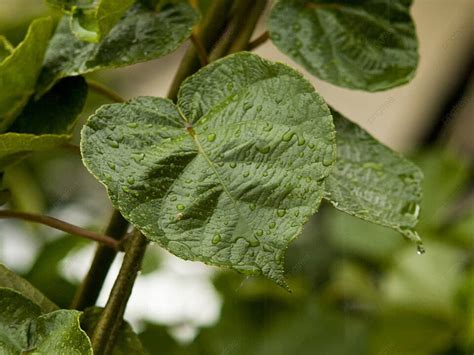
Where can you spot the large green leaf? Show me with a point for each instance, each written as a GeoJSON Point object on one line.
{"type": "Point", "coordinates": [56, 111]}
{"type": "Point", "coordinates": [367, 45]}
{"type": "Point", "coordinates": [229, 175]}
{"type": "Point", "coordinates": [19, 70]}
{"type": "Point", "coordinates": [15, 146]}
{"type": "Point", "coordinates": [23, 329]}
{"type": "Point", "coordinates": [372, 182]}
{"type": "Point", "coordinates": [142, 34]}
{"type": "Point", "coordinates": [127, 341]}
{"type": "Point", "coordinates": [92, 20]}
{"type": "Point", "coordinates": [9, 279]}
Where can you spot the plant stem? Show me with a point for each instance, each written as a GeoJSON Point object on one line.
{"type": "Point", "coordinates": [241, 42]}
{"type": "Point", "coordinates": [63, 226]}
{"type": "Point", "coordinates": [208, 31]}
{"type": "Point", "coordinates": [241, 13]}
{"type": "Point", "coordinates": [201, 51]}
{"type": "Point", "coordinates": [88, 292]}
{"type": "Point", "coordinates": [110, 321]}
{"type": "Point", "coordinates": [105, 91]}
{"type": "Point", "coordinates": [258, 41]}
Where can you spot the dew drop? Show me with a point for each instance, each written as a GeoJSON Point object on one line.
{"type": "Point", "coordinates": [420, 249]}
{"type": "Point", "coordinates": [253, 241]}
{"type": "Point", "coordinates": [233, 164]}
{"type": "Point", "coordinates": [287, 136]}
{"type": "Point", "coordinates": [264, 149]}
{"type": "Point", "coordinates": [259, 232]}
{"type": "Point", "coordinates": [211, 137]}
{"type": "Point", "coordinates": [281, 212]}
{"type": "Point", "coordinates": [131, 180]}
{"type": "Point", "coordinates": [246, 174]}
{"type": "Point", "coordinates": [132, 125]}
{"type": "Point", "coordinates": [216, 239]}
{"type": "Point", "coordinates": [180, 207]}
{"type": "Point", "coordinates": [272, 224]}
{"type": "Point", "coordinates": [301, 141]}
{"type": "Point", "coordinates": [113, 144]}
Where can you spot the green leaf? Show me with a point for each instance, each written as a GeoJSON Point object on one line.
{"type": "Point", "coordinates": [142, 34]}
{"type": "Point", "coordinates": [23, 329]}
{"type": "Point", "coordinates": [372, 182]}
{"type": "Point", "coordinates": [229, 175]}
{"type": "Point", "coordinates": [5, 48]}
{"type": "Point", "coordinates": [367, 45]}
{"type": "Point", "coordinates": [56, 111]}
{"type": "Point", "coordinates": [19, 70]}
{"type": "Point", "coordinates": [127, 341]}
{"type": "Point", "coordinates": [9, 279]}
{"type": "Point", "coordinates": [16, 146]}
{"type": "Point", "coordinates": [92, 20]}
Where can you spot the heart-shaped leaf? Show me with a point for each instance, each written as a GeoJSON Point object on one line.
{"type": "Point", "coordinates": [19, 70]}
{"type": "Point", "coordinates": [142, 34]}
{"type": "Point", "coordinates": [92, 20]}
{"type": "Point", "coordinates": [372, 182]}
{"type": "Point", "coordinates": [230, 174]}
{"type": "Point", "coordinates": [367, 45]}
{"type": "Point", "coordinates": [24, 329]}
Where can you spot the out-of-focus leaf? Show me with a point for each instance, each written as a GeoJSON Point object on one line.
{"type": "Point", "coordinates": [9, 279]}
{"type": "Point", "coordinates": [16, 146]}
{"type": "Point", "coordinates": [19, 70]}
{"type": "Point", "coordinates": [353, 237]}
{"type": "Point", "coordinates": [92, 20]}
{"type": "Point", "coordinates": [445, 178]}
{"type": "Point", "coordinates": [45, 272]}
{"type": "Point", "coordinates": [372, 182]}
{"type": "Point", "coordinates": [56, 111]}
{"type": "Point", "coordinates": [127, 341]}
{"type": "Point", "coordinates": [142, 34]}
{"type": "Point", "coordinates": [230, 174]}
{"type": "Point", "coordinates": [23, 329]}
{"type": "Point", "coordinates": [367, 45]}
{"type": "Point", "coordinates": [425, 284]}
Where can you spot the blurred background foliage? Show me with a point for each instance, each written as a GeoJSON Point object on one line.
{"type": "Point", "coordinates": [357, 288]}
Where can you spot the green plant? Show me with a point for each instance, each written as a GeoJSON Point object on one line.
{"type": "Point", "coordinates": [228, 168]}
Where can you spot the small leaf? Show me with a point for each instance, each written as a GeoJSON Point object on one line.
{"type": "Point", "coordinates": [16, 146]}
{"type": "Point", "coordinates": [56, 111]}
{"type": "Point", "coordinates": [92, 20]}
{"type": "Point", "coordinates": [19, 70]}
{"type": "Point", "coordinates": [372, 182]}
{"type": "Point", "coordinates": [142, 34]}
{"type": "Point", "coordinates": [366, 45]}
{"type": "Point", "coordinates": [9, 279]}
{"type": "Point", "coordinates": [127, 341]}
{"type": "Point", "coordinates": [229, 175]}
{"type": "Point", "coordinates": [23, 329]}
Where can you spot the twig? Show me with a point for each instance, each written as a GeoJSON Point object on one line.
{"type": "Point", "coordinates": [88, 292]}
{"type": "Point", "coordinates": [105, 91]}
{"type": "Point", "coordinates": [61, 225]}
{"type": "Point", "coordinates": [201, 51]}
{"type": "Point", "coordinates": [110, 321]}
{"type": "Point", "coordinates": [259, 41]}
